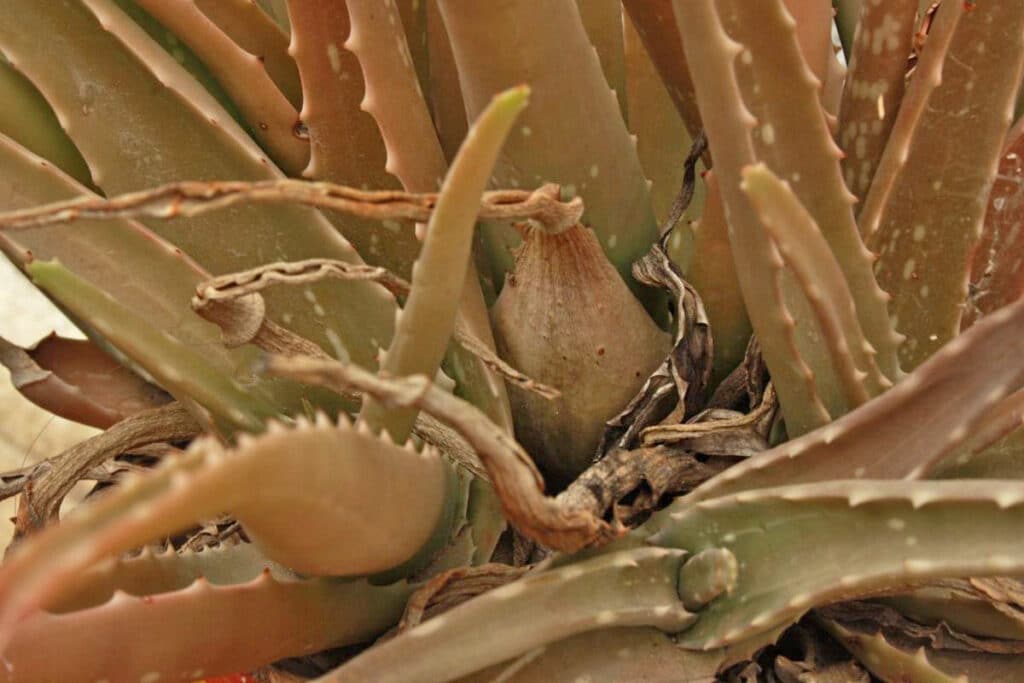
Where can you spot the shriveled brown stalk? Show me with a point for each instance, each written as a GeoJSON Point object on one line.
{"type": "Point", "coordinates": [191, 198]}
{"type": "Point", "coordinates": [13, 482]}
{"type": "Point", "coordinates": [515, 478]}
{"type": "Point", "coordinates": [569, 522]}
{"type": "Point", "coordinates": [235, 286]}
{"type": "Point", "coordinates": [44, 494]}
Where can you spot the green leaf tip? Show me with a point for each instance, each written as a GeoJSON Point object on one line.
{"type": "Point", "coordinates": [426, 322]}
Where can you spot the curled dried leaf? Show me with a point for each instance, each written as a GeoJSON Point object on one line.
{"type": "Point", "coordinates": [76, 380]}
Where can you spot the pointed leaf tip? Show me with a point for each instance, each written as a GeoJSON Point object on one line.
{"type": "Point", "coordinates": [427, 321]}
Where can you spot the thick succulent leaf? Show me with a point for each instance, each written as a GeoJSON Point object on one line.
{"type": "Point", "coordinates": [713, 274]}
{"type": "Point", "coordinates": [140, 120]}
{"type": "Point", "coordinates": [793, 139]}
{"type": "Point", "coordinates": [662, 139]}
{"type": "Point", "coordinates": [995, 612]}
{"type": "Point", "coordinates": [997, 275]}
{"type": "Point", "coordinates": [621, 655]}
{"type": "Point", "coordinates": [516, 480]}
{"type": "Point", "coordinates": [729, 125]}
{"type": "Point", "coordinates": [266, 112]}
{"type": "Point", "coordinates": [486, 520]}
{"type": "Point", "coordinates": [887, 661]}
{"type": "Point", "coordinates": [809, 258]}
{"type": "Point", "coordinates": [602, 20]}
{"type": "Point", "coordinates": [426, 322]}
{"type": "Point", "coordinates": [832, 90]}
{"type": "Point", "coordinates": [393, 95]}
{"type": "Point", "coordinates": [543, 43]}
{"type": "Point", "coordinates": [612, 655]}
{"type": "Point", "coordinates": [27, 119]}
{"type": "Point", "coordinates": [907, 430]}
{"type": "Point", "coordinates": [892, 533]}
{"type": "Point", "coordinates": [164, 571]}
{"type": "Point", "coordinates": [278, 11]}
{"type": "Point", "coordinates": [1001, 460]}
{"type": "Point", "coordinates": [345, 143]}
{"type": "Point", "coordinates": [987, 668]}
{"type": "Point", "coordinates": [125, 259]}
{"type": "Point", "coordinates": [414, 155]}
{"type": "Point", "coordinates": [310, 511]}
{"type": "Point", "coordinates": [928, 76]}
{"type": "Point", "coordinates": [203, 630]}
{"type": "Point", "coordinates": [874, 87]}
{"type": "Point", "coordinates": [813, 20]}
{"type": "Point", "coordinates": [181, 54]}
{"type": "Point", "coordinates": [630, 588]}
{"type": "Point", "coordinates": [444, 92]}
{"type": "Point", "coordinates": [654, 21]}
{"type": "Point", "coordinates": [76, 380]}
{"type": "Point", "coordinates": [413, 14]}
{"type": "Point", "coordinates": [848, 14]}
{"type": "Point", "coordinates": [256, 33]}
{"type": "Point", "coordinates": [997, 430]}
{"type": "Point", "coordinates": [925, 225]}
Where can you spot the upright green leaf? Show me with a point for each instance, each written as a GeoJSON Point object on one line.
{"type": "Point", "coordinates": [793, 139]}
{"type": "Point", "coordinates": [426, 322]}
{"type": "Point", "coordinates": [729, 125]}
{"type": "Point", "coordinates": [414, 155]}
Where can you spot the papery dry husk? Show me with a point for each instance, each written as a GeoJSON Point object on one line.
{"type": "Point", "coordinates": [566, 318]}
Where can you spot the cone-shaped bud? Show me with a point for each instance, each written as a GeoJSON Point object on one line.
{"type": "Point", "coordinates": [566, 318]}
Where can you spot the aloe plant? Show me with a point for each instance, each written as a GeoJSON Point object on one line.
{"type": "Point", "coordinates": [398, 382]}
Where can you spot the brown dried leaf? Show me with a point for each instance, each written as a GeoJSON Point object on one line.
{"type": "Point", "coordinates": [680, 382]}
{"type": "Point", "coordinates": [76, 380]}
